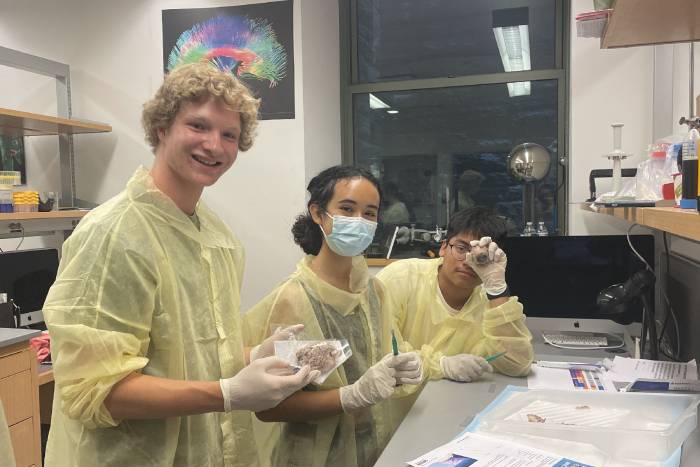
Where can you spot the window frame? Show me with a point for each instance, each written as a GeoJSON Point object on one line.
{"type": "Point", "coordinates": [349, 86]}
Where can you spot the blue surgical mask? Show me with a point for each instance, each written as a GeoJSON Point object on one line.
{"type": "Point", "coordinates": [350, 236]}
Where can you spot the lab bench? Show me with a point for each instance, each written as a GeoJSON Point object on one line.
{"type": "Point", "coordinates": [445, 408]}
{"type": "Point", "coordinates": [19, 394]}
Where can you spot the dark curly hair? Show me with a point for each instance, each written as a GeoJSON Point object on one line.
{"type": "Point", "coordinates": [479, 222]}
{"type": "Point", "coordinates": [307, 233]}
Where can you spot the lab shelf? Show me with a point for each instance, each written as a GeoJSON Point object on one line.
{"type": "Point", "coordinates": [647, 22]}
{"type": "Point", "coordinates": [18, 123]}
{"type": "Point", "coordinates": [30, 224]}
{"type": "Point", "coordinates": [26, 216]}
{"type": "Point", "coordinates": [682, 222]}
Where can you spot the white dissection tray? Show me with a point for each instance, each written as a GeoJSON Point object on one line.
{"type": "Point", "coordinates": [640, 426]}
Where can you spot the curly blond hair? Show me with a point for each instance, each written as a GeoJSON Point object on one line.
{"type": "Point", "coordinates": [196, 82]}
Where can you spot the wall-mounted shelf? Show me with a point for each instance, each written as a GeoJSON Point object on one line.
{"type": "Point", "coordinates": [25, 216]}
{"type": "Point", "coordinates": [647, 22]}
{"type": "Point", "coordinates": [29, 224]}
{"type": "Point", "coordinates": [681, 222]}
{"type": "Point", "coordinates": [18, 123]}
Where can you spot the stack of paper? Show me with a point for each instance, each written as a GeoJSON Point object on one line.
{"type": "Point", "coordinates": [569, 376]}
{"type": "Point", "coordinates": [651, 375]}
{"type": "Point", "coordinates": [624, 373]}
{"type": "Point", "coordinates": [629, 369]}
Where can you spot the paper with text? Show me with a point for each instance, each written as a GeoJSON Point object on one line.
{"type": "Point", "coordinates": [471, 449]}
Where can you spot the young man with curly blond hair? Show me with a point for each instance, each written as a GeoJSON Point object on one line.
{"type": "Point", "coordinates": [144, 314]}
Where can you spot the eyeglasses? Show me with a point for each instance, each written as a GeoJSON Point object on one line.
{"type": "Point", "coordinates": [459, 250]}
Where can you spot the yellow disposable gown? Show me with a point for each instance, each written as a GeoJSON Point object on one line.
{"type": "Point", "coordinates": [7, 457]}
{"type": "Point", "coordinates": [141, 289]}
{"type": "Point", "coordinates": [330, 313]}
{"type": "Point", "coordinates": [426, 324]}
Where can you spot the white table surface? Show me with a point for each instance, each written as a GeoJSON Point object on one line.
{"type": "Point", "coordinates": [445, 408]}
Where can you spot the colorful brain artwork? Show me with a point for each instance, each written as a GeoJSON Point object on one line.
{"type": "Point", "coordinates": [248, 48]}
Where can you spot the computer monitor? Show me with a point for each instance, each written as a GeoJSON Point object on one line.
{"type": "Point", "coordinates": [26, 276]}
{"type": "Point", "coordinates": [561, 276]}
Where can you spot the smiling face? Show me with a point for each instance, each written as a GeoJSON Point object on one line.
{"type": "Point", "coordinates": [455, 272]}
{"type": "Point", "coordinates": [199, 147]}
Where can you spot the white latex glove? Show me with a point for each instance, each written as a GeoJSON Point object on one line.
{"type": "Point", "coordinates": [376, 384]}
{"type": "Point", "coordinates": [263, 384]}
{"type": "Point", "coordinates": [464, 367]}
{"type": "Point", "coordinates": [267, 347]}
{"type": "Point", "coordinates": [492, 272]}
{"type": "Point", "coordinates": [408, 368]}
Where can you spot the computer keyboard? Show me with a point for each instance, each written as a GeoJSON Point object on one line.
{"type": "Point", "coordinates": [578, 340]}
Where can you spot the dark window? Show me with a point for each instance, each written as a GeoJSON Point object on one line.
{"type": "Point", "coordinates": [409, 39]}
{"type": "Point", "coordinates": [434, 107]}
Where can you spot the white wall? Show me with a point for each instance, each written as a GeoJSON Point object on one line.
{"type": "Point", "coordinates": [114, 50]}
{"type": "Point", "coordinates": [321, 43]}
{"type": "Point", "coordinates": [607, 86]}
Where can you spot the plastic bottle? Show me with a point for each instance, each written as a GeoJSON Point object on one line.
{"type": "Point", "coordinates": [529, 230]}
{"type": "Point", "coordinates": [8, 179]}
{"type": "Point", "coordinates": [542, 229]}
{"type": "Point", "coordinates": [6, 198]}
{"type": "Point", "coordinates": [690, 170]}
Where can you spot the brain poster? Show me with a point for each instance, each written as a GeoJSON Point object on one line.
{"type": "Point", "coordinates": [252, 42]}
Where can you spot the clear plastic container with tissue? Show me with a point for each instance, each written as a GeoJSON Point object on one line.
{"type": "Point", "coordinates": [635, 426]}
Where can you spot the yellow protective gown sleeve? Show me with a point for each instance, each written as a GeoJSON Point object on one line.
{"type": "Point", "coordinates": [426, 324]}
{"type": "Point", "coordinates": [329, 313]}
{"type": "Point", "coordinates": [140, 288]}
{"type": "Point", "coordinates": [7, 456]}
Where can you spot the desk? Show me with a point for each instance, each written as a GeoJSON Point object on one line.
{"type": "Point", "coordinates": [19, 394]}
{"type": "Point", "coordinates": [445, 408]}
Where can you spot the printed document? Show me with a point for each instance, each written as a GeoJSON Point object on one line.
{"type": "Point", "coordinates": [630, 369]}
{"type": "Point", "coordinates": [471, 449]}
{"type": "Point", "coordinates": [569, 379]}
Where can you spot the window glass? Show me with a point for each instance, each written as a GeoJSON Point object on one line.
{"type": "Point", "coordinates": [440, 150]}
{"type": "Point", "coordinates": [410, 39]}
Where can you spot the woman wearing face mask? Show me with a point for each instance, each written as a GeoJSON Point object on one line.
{"type": "Point", "coordinates": [346, 421]}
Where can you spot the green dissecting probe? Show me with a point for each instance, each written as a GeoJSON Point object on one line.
{"type": "Point", "coordinates": [494, 357]}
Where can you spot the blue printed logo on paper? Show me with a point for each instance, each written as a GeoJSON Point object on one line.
{"type": "Point", "coordinates": [454, 460]}
{"type": "Point", "coordinates": [570, 463]}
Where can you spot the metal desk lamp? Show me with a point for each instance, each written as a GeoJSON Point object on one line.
{"type": "Point", "coordinates": [528, 163]}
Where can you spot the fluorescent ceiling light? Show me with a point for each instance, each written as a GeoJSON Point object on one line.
{"type": "Point", "coordinates": [520, 88]}
{"type": "Point", "coordinates": [392, 111]}
{"type": "Point", "coordinates": [377, 103]}
{"type": "Point", "coordinates": [510, 28]}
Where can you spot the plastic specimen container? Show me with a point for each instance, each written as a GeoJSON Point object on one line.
{"type": "Point", "coordinates": [640, 426]}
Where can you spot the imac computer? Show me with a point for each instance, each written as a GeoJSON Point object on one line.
{"type": "Point", "coordinates": [26, 276]}
{"type": "Point", "coordinates": [562, 276]}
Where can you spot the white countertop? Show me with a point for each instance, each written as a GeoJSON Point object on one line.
{"type": "Point", "coordinates": [9, 336]}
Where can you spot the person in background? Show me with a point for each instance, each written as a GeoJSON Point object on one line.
{"type": "Point", "coordinates": [395, 211]}
{"type": "Point", "coordinates": [545, 203]}
{"type": "Point", "coordinates": [144, 315]}
{"type": "Point", "coordinates": [346, 420]}
{"type": "Point", "coordinates": [455, 311]}
{"type": "Point", "coordinates": [469, 185]}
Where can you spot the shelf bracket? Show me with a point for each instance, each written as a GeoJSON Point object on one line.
{"type": "Point", "coordinates": [61, 73]}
